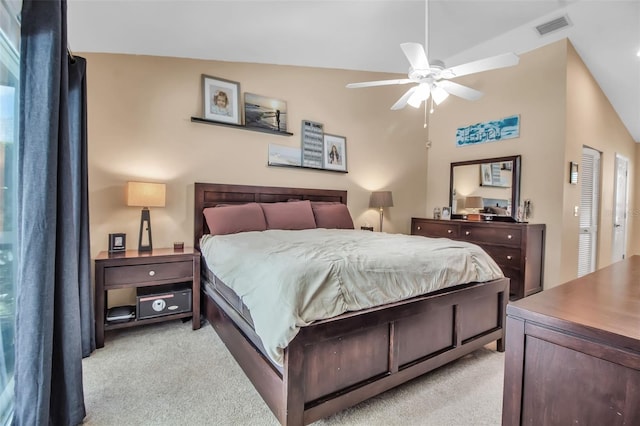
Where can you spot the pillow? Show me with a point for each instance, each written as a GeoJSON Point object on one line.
{"type": "Point", "coordinates": [332, 215]}
{"type": "Point", "coordinates": [231, 219]}
{"type": "Point", "coordinates": [286, 215]}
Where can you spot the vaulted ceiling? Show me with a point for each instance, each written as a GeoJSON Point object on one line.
{"type": "Point", "coordinates": [366, 34]}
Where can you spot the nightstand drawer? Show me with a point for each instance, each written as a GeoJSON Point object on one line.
{"type": "Point", "coordinates": [132, 274]}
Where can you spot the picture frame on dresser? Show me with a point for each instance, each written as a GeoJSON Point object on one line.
{"type": "Point", "coordinates": [446, 213]}
{"type": "Point", "coordinates": [221, 100]}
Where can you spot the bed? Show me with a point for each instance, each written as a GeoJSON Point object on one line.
{"type": "Point", "coordinates": [335, 363]}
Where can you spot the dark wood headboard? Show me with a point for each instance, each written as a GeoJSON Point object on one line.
{"type": "Point", "coordinates": [212, 194]}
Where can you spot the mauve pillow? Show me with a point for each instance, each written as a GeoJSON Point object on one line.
{"type": "Point", "coordinates": [286, 215]}
{"type": "Point", "coordinates": [332, 216]}
{"type": "Point", "coordinates": [231, 219]}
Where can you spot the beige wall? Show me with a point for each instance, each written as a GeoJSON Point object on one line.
{"type": "Point", "coordinates": [592, 122]}
{"type": "Point", "coordinates": [140, 129]}
{"type": "Point", "coordinates": [561, 108]}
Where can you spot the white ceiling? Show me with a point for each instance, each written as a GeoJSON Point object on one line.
{"type": "Point", "coordinates": [366, 34]}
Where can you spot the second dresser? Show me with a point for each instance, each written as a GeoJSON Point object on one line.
{"type": "Point", "coordinates": [518, 248]}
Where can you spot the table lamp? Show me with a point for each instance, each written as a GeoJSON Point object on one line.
{"type": "Point", "coordinates": [145, 195]}
{"type": "Point", "coordinates": [381, 199]}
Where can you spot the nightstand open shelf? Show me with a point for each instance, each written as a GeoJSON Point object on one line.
{"type": "Point", "coordinates": [133, 269]}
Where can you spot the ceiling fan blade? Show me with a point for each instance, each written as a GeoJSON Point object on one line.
{"type": "Point", "coordinates": [402, 102]}
{"type": "Point", "coordinates": [459, 90]}
{"type": "Point", "coordinates": [494, 62]}
{"type": "Point", "coordinates": [378, 83]}
{"type": "Point", "coordinates": [415, 55]}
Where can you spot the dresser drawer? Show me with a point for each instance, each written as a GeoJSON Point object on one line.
{"type": "Point", "coordinates": [430, 229]}
{"type": "Point", "coordinates": [492, 235]}
{"type": "Point", "coordinates": [132, 274]}
{"type": "Point", "coordinates": [505, 257]}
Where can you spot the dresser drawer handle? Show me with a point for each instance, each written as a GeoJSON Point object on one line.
{"type": "Point", "coordinates": [467, 233]}
{"type": "Point", "coordinates": [509, 257]}
{"type": "Point", "coordinates": [152, 273]}
{"type": "Point", "coordinates": [449, 231]}
{"type": "Point", "coordinates": [419, 228]}
{"type": "Point", "coordinates": [509, 236]}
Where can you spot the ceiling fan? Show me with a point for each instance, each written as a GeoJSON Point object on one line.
{"type": "Point", "coordinates": [433, 79]}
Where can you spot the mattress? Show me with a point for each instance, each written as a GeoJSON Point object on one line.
{"type": "Point", "coordinates": [288, 279]}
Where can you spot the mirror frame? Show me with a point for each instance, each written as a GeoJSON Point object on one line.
{"type": "Point", "coordinates": [515, 179]}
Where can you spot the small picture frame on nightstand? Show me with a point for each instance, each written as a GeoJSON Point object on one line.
{"type": "Point", "coordinates": [117, 242]}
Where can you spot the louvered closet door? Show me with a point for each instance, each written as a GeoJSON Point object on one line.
{"type": "Point", "coordinates": [589, 205]}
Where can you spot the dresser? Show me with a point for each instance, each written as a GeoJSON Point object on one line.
{"type": "Point", "coordinates": [518, 248]}
{"type": "Point", "coordinates": [573, 352]}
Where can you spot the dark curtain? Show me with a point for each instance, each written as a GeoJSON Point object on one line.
{"type": "Point", "coordinates": [54, 317]}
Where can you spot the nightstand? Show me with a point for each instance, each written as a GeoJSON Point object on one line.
{"type": "Point", "coordinates": [133, 269]}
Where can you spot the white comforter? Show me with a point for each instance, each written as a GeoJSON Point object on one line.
{"type": "Point", "coordinates": [289, 279]}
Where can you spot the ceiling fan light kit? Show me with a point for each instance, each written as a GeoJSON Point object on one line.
{"type": "Point", "coordinates": [433, 79]}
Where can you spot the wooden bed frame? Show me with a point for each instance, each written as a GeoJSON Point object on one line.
{"type": "Point", "coordinates": [336, 363]}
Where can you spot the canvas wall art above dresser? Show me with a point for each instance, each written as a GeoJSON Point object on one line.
{"type": "Point", "coordinates": [518, 248]}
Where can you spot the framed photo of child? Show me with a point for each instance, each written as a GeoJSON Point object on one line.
{"type": "Point", "coordinates": [221, 100]}
{"type": "Point", "coordinates": [335, 152]}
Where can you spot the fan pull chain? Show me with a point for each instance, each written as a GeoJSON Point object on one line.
{"type": "Point", "coordinates": [425, 115]}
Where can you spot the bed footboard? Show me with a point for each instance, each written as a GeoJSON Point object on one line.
{"type": "Point", "coordinates": [336, 363]}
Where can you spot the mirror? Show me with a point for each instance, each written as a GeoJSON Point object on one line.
{"type": "Point", "coordinates": [490, 185]}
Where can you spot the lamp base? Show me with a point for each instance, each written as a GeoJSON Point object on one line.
{"type": "Point", "coordinates": [381, 216]}
{"type": "Point", "coordinates": [145, 227]}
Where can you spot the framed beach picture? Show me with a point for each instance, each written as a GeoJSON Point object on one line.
{"type": "Point", "coordinates": [265, 113]}
{"type": "Point", "coordinates": [221, 100]}
{"type": "Point", "coordinates": [335, 152]}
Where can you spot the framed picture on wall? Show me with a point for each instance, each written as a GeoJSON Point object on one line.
{"type": "Point", "coordinates": [221, 100]}
{"type": "Point", "coordinates": [335, 152]}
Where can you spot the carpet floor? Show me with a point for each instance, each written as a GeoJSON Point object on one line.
{"type": "Point", "coordinates": [167, 374]}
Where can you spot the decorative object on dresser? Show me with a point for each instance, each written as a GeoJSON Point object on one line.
{"type": "Point", "coordinates": [145, 195]}
{"type": "Point", "coordinates": [517, 248]}
{"type": "Point", "coordinates": [446, 213]}
{"type": "Point", "coordinates": [573, 352]}
{"type": "Point", "coordinates": [380, 200]}
{"type": "Point", "coordinates": [149, 270]}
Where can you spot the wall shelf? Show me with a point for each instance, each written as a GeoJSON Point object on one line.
{"type": "Point", "coordinates": [318, 169]}
{"type": "Point", "coordinates": [239, 126]}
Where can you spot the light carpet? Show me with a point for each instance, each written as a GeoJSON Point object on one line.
{"type": "Point", "coordinates": [167, 374]}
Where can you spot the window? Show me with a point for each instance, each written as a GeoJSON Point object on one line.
{"type": "Point", "coordinates": [9, 95]}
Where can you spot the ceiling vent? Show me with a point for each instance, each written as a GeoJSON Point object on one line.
{"type": "Point", "coordinates": [554, 25]}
